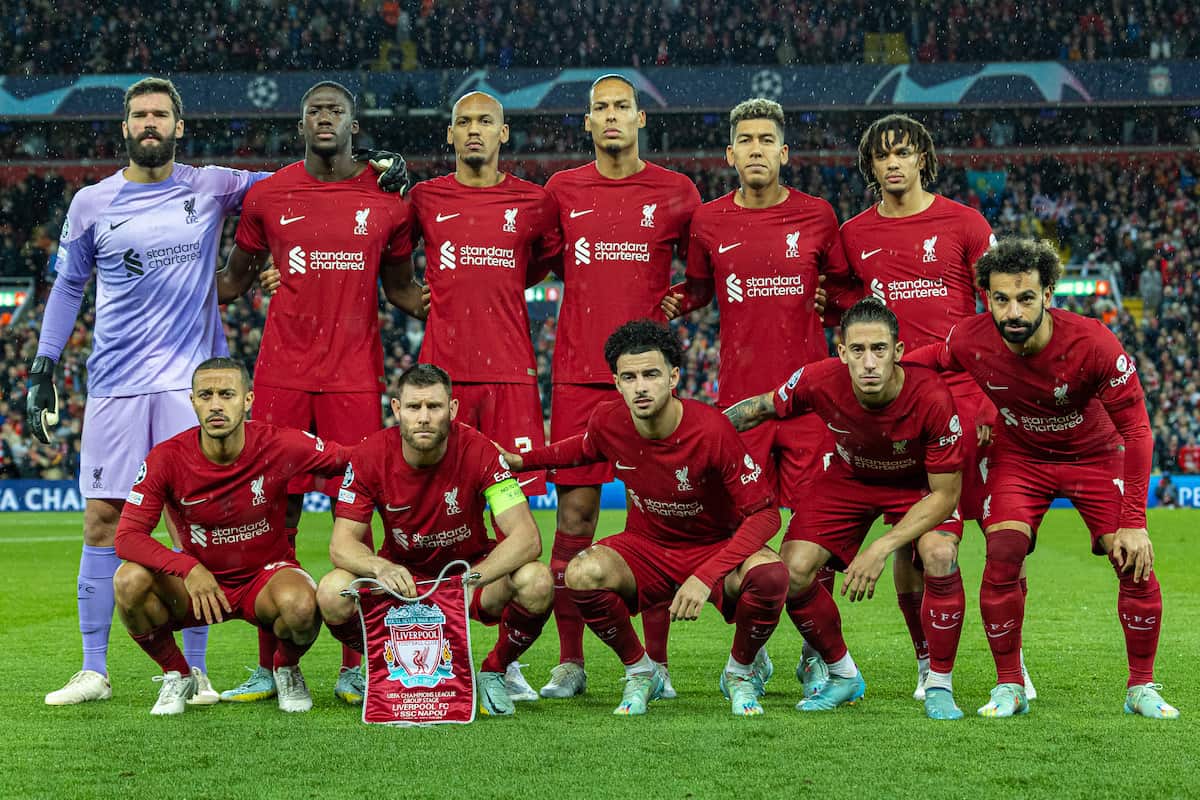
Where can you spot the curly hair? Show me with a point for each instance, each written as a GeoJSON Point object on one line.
{"type": "Point", "coordinates": [883, 133]}
{"type": "Point", "coordinates": [756, 108]}
{"type": "Point", "coordinates": [1013, 255]}
{"type": "Point", "coordinates": [642, 336]}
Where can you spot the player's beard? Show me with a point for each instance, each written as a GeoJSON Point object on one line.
{"type": "Point", "coordinates": [426, 446]}
{"type": "Point", "coordinates": [231, 425]}
{"type": "Point", "coordinates": [475, 160]}
{"type": "Point", "coordinates": [1028, 329]}
{"type": "Point", "coordinates": [153, 156]}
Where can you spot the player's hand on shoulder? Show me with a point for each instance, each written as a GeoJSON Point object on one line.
{"type": "Point", "coordinates": [41, 401]}
{"type": "Point", "coordinates": [820, 296]}
{"type": "Point", "coordinates": [863, 572]}
{"type": "Point", "coordinates": [514, 461]}
{"type": "Point", "coordinates": [671, 305]}
{"type": "Point", "coordinates": [269, 281]}
{"type": "Point", "coordinates": [393, 170]}
{"type": "Point", "coordinates": [690, 598]}
{"type": "Point", "coordinates": [397, 579]}
{"type": "Point", "coordinates": [1133, 552]}
{"type": "Point", "coordinates": [208, 599]}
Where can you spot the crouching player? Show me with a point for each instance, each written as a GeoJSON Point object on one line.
{"type": "Point", "coordinates": [430, 479]}
{"type": "Point", "coordinates": [225, 485]}
{"type": "Point", "coordinates": [898, 455]}
{"type": "Point", "coordinates": [698, 521]}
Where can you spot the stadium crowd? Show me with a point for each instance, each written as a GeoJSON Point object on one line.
{"type": "Point", "coordinates": [43, 37]}
{"type": "Point", "coordinates": [1138, 222]}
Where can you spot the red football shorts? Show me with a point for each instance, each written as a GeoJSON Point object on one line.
{"type": "Point", "coordinates": [242, 596]}
{"type": "Point", "coordinates": [1021, 489]}
{"type": "Point", "coordinates": [343, 417]}
{"type": "Point", "coordinates": [509, 414]}
{"type": "Point", "coordinates": [842, 509]}
{"type": "Point", "coordinates": [571, 405]}
{"type": "Point", "coordinates": [660, 569]}
{"type": "Point", "coordinates": [976, 459]}
{"type": "Point", "coordinates": [791, 452]}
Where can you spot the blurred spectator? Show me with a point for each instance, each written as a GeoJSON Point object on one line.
{"type": "Point", "coordinates": [1150, 286]}
{"type": "Point", "coordinates": [1167, 492]}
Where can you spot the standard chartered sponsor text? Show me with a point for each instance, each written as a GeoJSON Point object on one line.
{"type": "Point", "coordinates": [183, 253]}
{"type": "Point", "coordinates": [239, 533]}
{"type": "Point", "coordinates": [337, 260]}
{"type": "Point", "coordinates": [774, 286]}
{"type": "Point", "coordinates": [473, 256]}
{"type": "Point", "coordinates": [916, 289]}
{"type": "Point", "coordinates": [621, 251]}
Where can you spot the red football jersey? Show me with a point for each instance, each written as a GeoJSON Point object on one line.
{"type": "Point", "coordinates": [480, 244]}
{"type": "Point", "coordinates": [764, 263]}
{"type": "Point", "coordinates": [431, 515]}
{"type": "Point", "coordinates": [327, 241]}
{"type": "Point", "coordinates": [231, 516]}
{"type": "Point", "coordinates": [917, 433]}
{"type": "Point", "coordinates": [923, 267]}
{"type": "Point", "coordinates": [620, 237]}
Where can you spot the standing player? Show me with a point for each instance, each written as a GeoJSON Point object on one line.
{"type": "Point", "coordinates": [487, 236]}
{"type": "Point", "coordinates": [697, 526]}
{"type": "Point", "coordinates": [430, 479]}
{"type": "Point", "coordinates": [915, 251]}
{"type": "Point", "coordinates": [1075, 426]}
{"type": "Point", "coordinates": [623, 220]}
{"type": "Point", "coordinates": [150, 233]}
{"type": "Point", "coordinates": [333, 234]}
{"type": "Point", "coordinates": [898, 455]}
{"type": "Point", "coordinates": [225, 483]}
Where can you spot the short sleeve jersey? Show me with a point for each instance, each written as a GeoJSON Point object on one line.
{"type": "Point", "coordinates": [764, 263]}
{"type": "Point", "coordinates": [480, 244]}
{"type": "Point", "coordinates": [693, 487]}
{"type": "Point", "coordinates": [619, 240]}
{"type": "Point", "coordinates": [431, 515]}
{"type": "Point", "coordinates": [922, 267]}
{"type": "Point", "coordinates": [915, 434]}
{"type": "Point", "coordinates": [327, 241]}
{"type": "Point", "coordinates": [229, 516]}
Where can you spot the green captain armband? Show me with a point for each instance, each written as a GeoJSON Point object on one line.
{"type": "Point", "coordinates": [504, 495]}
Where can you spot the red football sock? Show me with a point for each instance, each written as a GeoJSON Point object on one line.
{"type": "Point", "coordinates": [349, 633]}
{"type": "Point", "coordinates": [942, 610]}
{"type": "Point", "coordinates": [519, 628]}
{"type": "Point", "coordinates": [656, 626]}
{"type": "Point", "coordinates": [1001, 604]}
{"type": "Point", "coordinates": [826, 576]}
{"type": "Point", "coordinates": [160, 645]}
{"type": "Point", "coordinates": [266, 648]}
{"type": "Point", "coordinates": [1139, 608]}
{"type": "Point", "coordinates": [566, 613]}
{"type": "Point", "coordinates": [764, 591]}
{"type": "Point", "coordinates": [910, 607]}
{"type": "Point", "coordinates": [288, 653]}
{"type": "Point", "coordinates": [816, 616]}
{"type": "Point", "coordinates": [1024, 587]}
{"type": "Point", "coordinates": [608, 617]}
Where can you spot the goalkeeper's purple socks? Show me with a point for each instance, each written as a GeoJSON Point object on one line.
{"type": "Point", "coordinates": [195, 645]}
{"type": "Point", "coordinates": [96, 568]}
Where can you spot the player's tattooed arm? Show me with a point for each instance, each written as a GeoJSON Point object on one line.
{"type": "Point", "coordinates": [238, 275]}
{"type": "Point", "coordinates": [751, 412]}
{"type": "Point", "coordinates": [402, 289]}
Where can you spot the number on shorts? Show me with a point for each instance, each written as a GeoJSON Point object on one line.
{"type": "Point", "coordinates": [524, 444]}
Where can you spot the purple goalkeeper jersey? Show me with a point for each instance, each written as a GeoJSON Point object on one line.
{"type": "Point", "coordinates": [154, 247]}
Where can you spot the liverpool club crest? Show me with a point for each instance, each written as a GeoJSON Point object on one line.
{"type": "Point", "coordinates": [417, 652]}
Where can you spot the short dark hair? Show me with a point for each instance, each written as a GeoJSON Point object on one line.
{"type": "Point", "coordinates": [892, 128]}
{"type": "Point", "coordinates": [756, 108]}
{"type": "Point", "coordinates": [329, 85]}
{"type": "Point", "coordinates": [642, 336]}
{"type": "Point", "coordinates": [871, 309]}
{"type": "Point", "coordinates": [422, 375]}
{"type": "Point", "coordinates": [1013, 255]}
{"type": "Point", "coordinates": [224, 362]}
{"type": "Point", "coordinates": [615, 76]}
{"type": "Point", "coordinates": [155, 86]}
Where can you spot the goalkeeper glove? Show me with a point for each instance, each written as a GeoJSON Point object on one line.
{"type": "Point", "coordinates": [41, 403]}
{"type": "Point", "coordinates": [393, 171]}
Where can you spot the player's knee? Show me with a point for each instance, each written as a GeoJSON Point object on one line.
{"type": "Point", "coordinates": [100, 520]}
{"type": "Point", "coordinates": [802, 571]}
{"type": "Point", "coordinates": [1006, 551]}
{"type": "Point", "coordinates": [298, 610]}
{"type": "Point", "coordinates": [577, 515]}
{"type": "Point", "coordinates": [534, 586]}
{"type": "Point", "coordinates": [939, 553]}
{"type": "Point", "coordinates": [769, 580]}
{"type": "Point", "coordinates": [585, 572]}
{"type": "Point", "coordinates": [131, 584]}
{"type": "Point", "coordinates": [334, 608]}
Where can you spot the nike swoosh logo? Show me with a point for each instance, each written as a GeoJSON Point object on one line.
{"type": "Point", "coordinates": [619, 465]}
{"type": "Point", "coordinates": [112, 226]}
{"type": "Point", "coordinates": [444, 217]}
{"type": "Point", "coordinates": [526, 482]}
{"type": "Point", "coordinates": [285, 221]}
{"type": "Point", "coordinates": [865, 254]}
{"type": "Point", "coordinates": [184, 502]}
{"type": "Point", "coordinates": [575, 213]}
{"type": "Point", "coordinates": [837, 430]}
{"type": "Point", "coordinates": [944, 627]}
{"type": "Point", "coordinates": [998, 635]}
{"type": "Point", "coordinates": [994, 388]}
{"type": "Point", "coordinates": [397, 508]}
{"type": "Point", "coordinates": [725, 248]}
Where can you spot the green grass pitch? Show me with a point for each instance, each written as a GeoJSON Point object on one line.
{"type": "Point", "coordinates": [1075, 743]}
